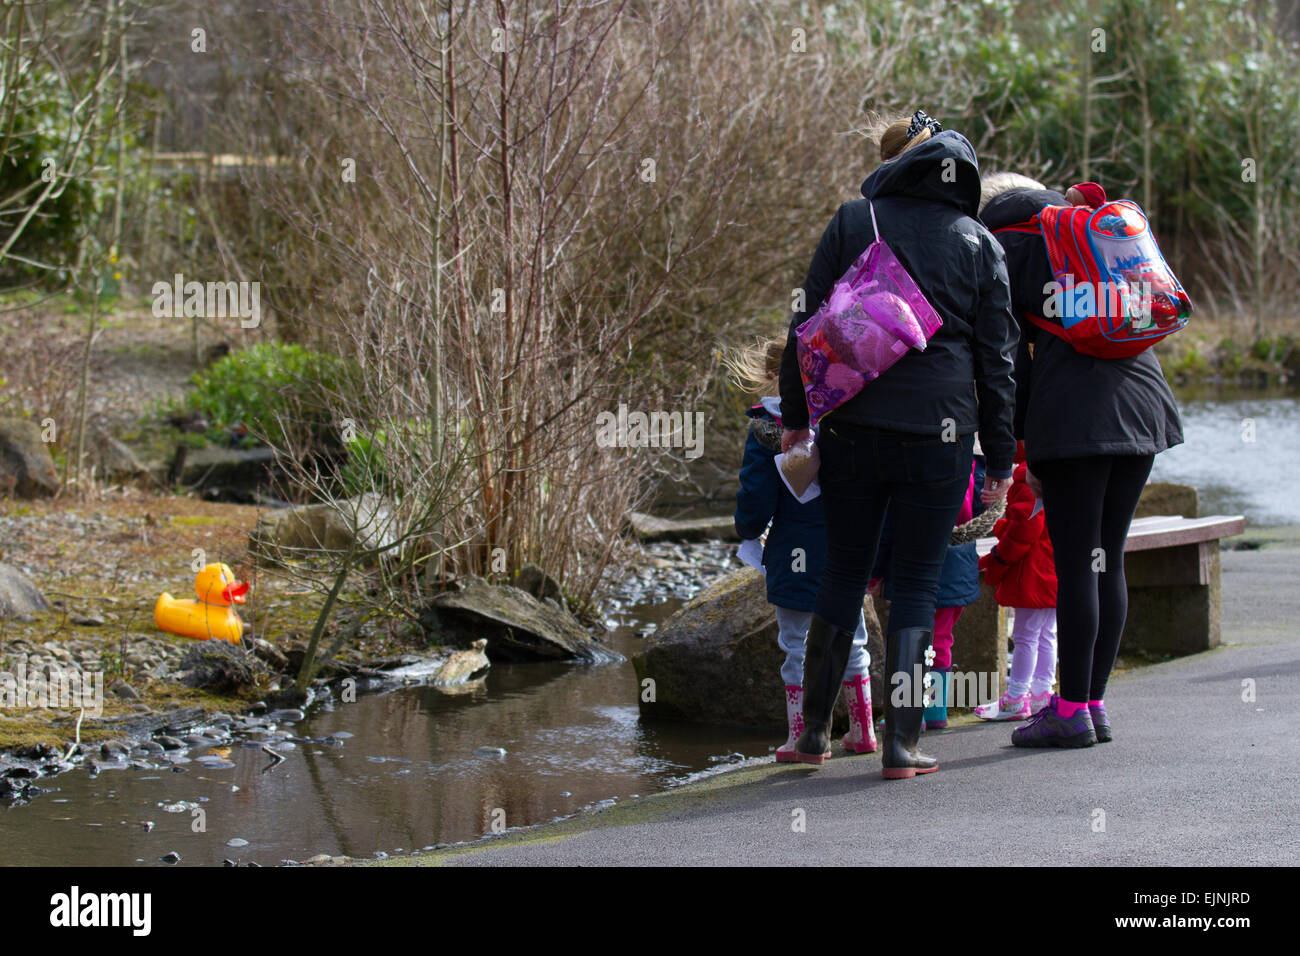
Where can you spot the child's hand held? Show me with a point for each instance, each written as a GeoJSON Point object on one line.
{"type": "Point", "coordinates": [995, 489]}
{"type": "Point", "coordinates": [792, 437]}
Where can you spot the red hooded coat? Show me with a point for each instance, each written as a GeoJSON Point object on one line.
{"type": "Point", "coordinates": [1022, 567]}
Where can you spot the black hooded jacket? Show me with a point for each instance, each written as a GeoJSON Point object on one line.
{"type": "Point", "coordinates": [926, 200]}
{"type": "Point", "coordinates": [1071, 405]}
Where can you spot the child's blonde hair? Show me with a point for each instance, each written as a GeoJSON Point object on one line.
{"type": "Point", "coordinates": [756, 368]}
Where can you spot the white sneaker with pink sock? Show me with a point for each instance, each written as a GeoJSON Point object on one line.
{"type": "Point", "coordinates": [1005, 707]}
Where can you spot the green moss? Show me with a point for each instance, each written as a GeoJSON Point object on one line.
{"type": "Point", "coordinates": [190, 521]}
{"type": "Point", "coordinates": [27, 731]}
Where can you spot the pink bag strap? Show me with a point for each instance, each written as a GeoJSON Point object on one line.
{"type": "Point", "coordinates": [874, 228]}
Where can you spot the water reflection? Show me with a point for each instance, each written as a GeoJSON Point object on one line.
{"type": "Point", "coordinates": [407, 778]}
{"type": "Point", "coordinates": [1241, 450]}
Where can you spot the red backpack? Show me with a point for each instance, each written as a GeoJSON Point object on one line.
{"type": "Point", "coordinates": [1113, 295]}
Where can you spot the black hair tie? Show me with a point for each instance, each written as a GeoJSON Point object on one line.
{"type": "Point", "coordinates": [920, 121]}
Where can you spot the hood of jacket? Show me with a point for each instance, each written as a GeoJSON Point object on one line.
{"type": "Point", "coordinates": [919, 173]}
{"type": "Point", "coordinates": [1018, 204]}
{"type": "Point", "coordinates": [765, 422]}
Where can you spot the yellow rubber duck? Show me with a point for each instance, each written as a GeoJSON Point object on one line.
{"type": "Point", "coordinates": [211, 617]}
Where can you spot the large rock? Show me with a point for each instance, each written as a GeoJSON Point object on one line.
{"type": "Point", "coordinates": [516, 626]}
{"type": "Point", "coordinates": [717, 660]}
{"type": "Point", "coordinates": [218, 666]}
{"type": "Point", "coordinates": [876, 610]}
{"type": "Point", "coordinates": [332, 526]}
{"type": "Point", "coordinates": [26, 468]}
{"type": "Point", "coordinates": [234, 473]}
{"type": "Point", "coordinates": [18, 596]}
{"type": "Point", "coordinates": [1167, 498]}
{"type": "Point", "coordinates": [538, 583]}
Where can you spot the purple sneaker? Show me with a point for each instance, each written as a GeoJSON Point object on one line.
{"type": "Point", "coordinates": [1100, 725]}
{"type": "Point", "coordinates": [1048, 728]}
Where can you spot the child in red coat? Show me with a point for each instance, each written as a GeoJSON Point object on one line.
{"type": "Point", "coordinates": [1023, 569]}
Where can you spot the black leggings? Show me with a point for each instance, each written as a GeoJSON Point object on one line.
{"type": "Point", "coordinates": [1088, 505]}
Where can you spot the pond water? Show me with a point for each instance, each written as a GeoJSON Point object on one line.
{"type": "Point", "coordinates": [1242, 451]}
{"type": "Point", "coordinates": [407, 769]}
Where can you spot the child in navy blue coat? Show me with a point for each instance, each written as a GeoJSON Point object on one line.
{"type": "Point", "coordinates": [794, 554]}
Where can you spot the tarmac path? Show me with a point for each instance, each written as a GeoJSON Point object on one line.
{"type": "Point", "coordinates": [1196, 775]}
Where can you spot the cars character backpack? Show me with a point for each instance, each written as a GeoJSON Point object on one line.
{"type": "Point", "coordinates": [1113, 295]}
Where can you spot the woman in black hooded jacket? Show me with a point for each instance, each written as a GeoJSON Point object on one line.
{"type": "Point", "coordinates": [905, 441]}
{"type": "Point", "coordinates": [1092, 428]}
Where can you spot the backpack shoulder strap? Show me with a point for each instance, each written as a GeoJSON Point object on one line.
{"type": "Point", "coordinates": [1048, 326]}
{"type": "Point", "coordinates": [1065, 230]}
{"type": "Point", "coordinates": [1029, 226]}
{"type": "Point", "coordinates": [1047, 224]}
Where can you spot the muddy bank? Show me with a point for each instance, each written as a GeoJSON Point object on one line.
{"type": "Point", "coordinates": [397, 771]}
{"type": "Point", "coordinates": [102, 568]}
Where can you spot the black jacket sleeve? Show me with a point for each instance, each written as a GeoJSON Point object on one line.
{"type": "Point", "coordinates": [996, 337]}
{"type": "Point", "coordinates": [822, 275]}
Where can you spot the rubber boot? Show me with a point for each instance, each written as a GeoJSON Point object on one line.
{"type": "Point", "coordinates": [936, 715]}
{"type": "Point", "coordinates": [905, 653]}
{"type": "Point", "coordinates": [861, 738]}
{"type": "Point", "coordinates": [794, 722]}
{"type": "Point", "coordinates": [826, 655]}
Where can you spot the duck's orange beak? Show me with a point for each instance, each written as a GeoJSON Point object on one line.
{"type": "Point", "coordinates": [234, 593]}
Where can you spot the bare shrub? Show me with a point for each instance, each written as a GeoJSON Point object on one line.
{"type": "Point", "coordinates": [513, 217]}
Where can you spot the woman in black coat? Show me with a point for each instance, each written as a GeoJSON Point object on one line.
{"type": "Point", "coordinates": [905, 441]}
{"type": "Point", "coordinates": [1092, 428]}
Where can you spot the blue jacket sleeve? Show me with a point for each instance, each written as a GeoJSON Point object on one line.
{"type": "Point", "coordinates": [760, 488]}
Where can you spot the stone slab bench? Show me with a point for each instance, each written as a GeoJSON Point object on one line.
{"type": "Point", "coordinates": [1171, 565]}
{"type": "Point", "coordinates": [1166, 531]}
